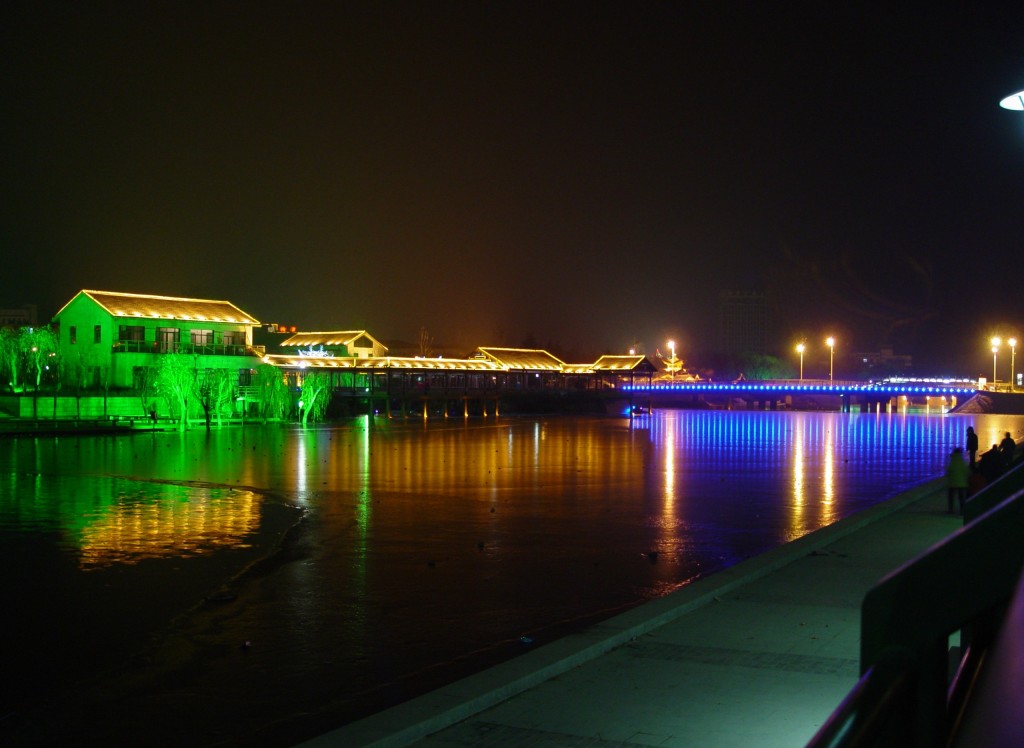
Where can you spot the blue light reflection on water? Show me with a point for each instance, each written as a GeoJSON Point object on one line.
{"type": "Point", "coordinates": [429, 541]}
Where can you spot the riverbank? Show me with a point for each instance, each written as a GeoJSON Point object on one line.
{"type": "Point", "coordinates": [758, 654]}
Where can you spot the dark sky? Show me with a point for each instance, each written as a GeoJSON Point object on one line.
{"type": "Point", "coordinates": [582, 175]}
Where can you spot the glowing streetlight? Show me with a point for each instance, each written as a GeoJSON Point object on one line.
{"type": "Point", "coordinates": [1012, 342]}
{"type": "Point", "coordinates": [831, 343]}
{"type": "Point", "coordinates": [995, 350]}
{"type": "Point", "coordinates": [673, 364]}
{"type": "Point", "coordinates": [1014, 102]}
{"type": "Point", "coordinates": [800, 348]}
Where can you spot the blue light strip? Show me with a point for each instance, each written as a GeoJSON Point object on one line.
{"type": "Point", "coordinates": [844, 389]}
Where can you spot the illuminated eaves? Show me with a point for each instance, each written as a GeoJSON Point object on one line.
{"type": "Point", "coordinates": [169, 307]}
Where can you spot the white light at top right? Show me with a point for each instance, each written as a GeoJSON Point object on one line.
{"type": "Point", "coordinates": [1014, 101]}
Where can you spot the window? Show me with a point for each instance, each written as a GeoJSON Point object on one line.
{"type": "Point", "coordinates": [72, 335]}
{"type": "Point", "coordinates": [167, 339]}
{"type": "Point", "coordinates": [131, 332]}
{"type": "Point", "coordinates": [202, 337]}
{"type": "Point", "coordinates": [97, 334]}
{"type": "Point", "coordinates": [234, 337]}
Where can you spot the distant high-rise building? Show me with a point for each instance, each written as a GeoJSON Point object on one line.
{"type": "Point", "coordinates": [743, 322]}
{"type": "Point", "coordinates": [23, 316]}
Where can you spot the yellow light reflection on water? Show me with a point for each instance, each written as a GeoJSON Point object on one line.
{"type": "Point", "coordinates": [183, 521]}
{"type": "Point", "coordinates": [796, 518]}
{"type": "Point", "coordinates": [828, 477]}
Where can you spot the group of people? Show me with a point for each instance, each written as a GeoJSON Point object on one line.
{"type": "Point", "coordinates": [966, 477]}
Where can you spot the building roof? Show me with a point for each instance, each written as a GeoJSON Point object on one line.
{"type": "Point", "coordinates": [496, 359]}
{"type": "Point", "coordinates": [334, 339]}
{"type": "Point", "coordinates": [380, 362]}
{"type": "Point", "coordinates": [524, 358]}
{"type": "Point", "coordinates": [144, 306]}
{"type": "Point", "coordinates": [622, 363]}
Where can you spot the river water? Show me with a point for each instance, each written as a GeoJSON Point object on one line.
{"type": "Point", "coordinates": [261, 585]}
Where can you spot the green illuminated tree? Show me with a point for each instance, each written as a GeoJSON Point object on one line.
{"type": "Point", "coordinates": [316, 393]}
{"type": "Point", "coordinates": [175, 381]}
{"type": "Point", "coordinates": [10, 356]}
{"type": "Point", "coordinates": [271, 392]}
{"type": "Point", "coordinates": [144, 381]}
{"type": "Point", "coordinates": [39, 350]}
{"type": "Point", "coordinates": [214, 390]}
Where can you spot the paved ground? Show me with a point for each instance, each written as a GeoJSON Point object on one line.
{"type": "Point", "coordinates": [757, 655]}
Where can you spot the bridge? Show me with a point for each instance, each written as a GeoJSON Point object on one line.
{"type": "Point", "coordinates": [802, 394]}
{"type": "Point", "coordinates": [521, 379]}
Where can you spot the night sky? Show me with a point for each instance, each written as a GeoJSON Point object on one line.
{"type": "Point", "coordinates": [578, 176]}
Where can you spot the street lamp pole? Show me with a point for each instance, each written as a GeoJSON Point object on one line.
{"type": "Point", "coordinates": [800, 349]}
{"type": "Point", "coordinates": [1012, 342]}
{"type": "Point", "coordinates": [995, 350]}
{"type": "Point", "coordinates": [831, 342]}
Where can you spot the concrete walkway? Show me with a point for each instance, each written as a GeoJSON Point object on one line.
{"type": "Point", "coordinates": [756, 655]}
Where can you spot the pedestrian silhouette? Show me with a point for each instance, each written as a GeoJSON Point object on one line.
{"type": "Point", "coordinates": [1007, 449]}
{"type": "Point", "coordinates": [972, 445]}
{"type": "Point", "coordinates": [957, 474]}
{"type": "Point", "coordinates": [991, 464]}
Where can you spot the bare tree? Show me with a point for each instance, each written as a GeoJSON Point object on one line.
{"type": "Point", "coordinates": [145, 383]}
{"type": "Point", "coordinates": [426, 343]}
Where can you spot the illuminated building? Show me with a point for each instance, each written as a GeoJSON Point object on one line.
{"type": "Point", "coordinates": [350, 343]}
{"type": "Point", "coordinates": [112, 340]}
{"type": "Point", "coordinates": [108, 337]}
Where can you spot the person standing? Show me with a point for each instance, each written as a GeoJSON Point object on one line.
{"type": "Point", "coordinates": [957, 473]}
{"type": "Point", "coordinates": [1007, 450]}
{"type": "Point", "coordinates": [991, 464]}
{"type": "Point", "coordinates": [972, 445]}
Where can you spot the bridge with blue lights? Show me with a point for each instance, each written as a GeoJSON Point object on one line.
{"type": "Point", "coordinates": [805, 393]}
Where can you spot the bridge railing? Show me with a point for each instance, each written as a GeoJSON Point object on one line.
{"type": "Point", "coordinates": [806, 385]}
{"type": "Point", "coordinates": [905, 696]}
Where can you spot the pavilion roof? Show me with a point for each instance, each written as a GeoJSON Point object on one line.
{"type": "Point", "coordinates": [379, 362]}
{"type": "Point", "coordinates": [333, 338]}
{"type": "Point", "coordinates": [524, 358]}
{"type": "Point", "coordinates": [622, 363]}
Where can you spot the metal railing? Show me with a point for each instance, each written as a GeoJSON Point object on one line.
{"type": "Point", "coordinates": [141, 346]}
{"type": "Point", "coordinates": [906, 696]}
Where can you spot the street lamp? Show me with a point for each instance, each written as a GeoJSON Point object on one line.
{"type": "Point", "coordinates": [672, 358]}
{"type": "Point", "coordinates": [800, 348]}
{"type": "Point", "coordinates": [1013, 101]}
{"type": "Point", "coordinates": [1012, 342]}
{"type": "Point", "coordinates": [831, 343]}
{"type": "Point", "coordinates": [995, 349]}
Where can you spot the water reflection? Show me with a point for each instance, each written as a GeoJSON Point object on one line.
{"type": "Point", "coordinates": [167, 521]}
{"type": "Point", "coordinates": [109, 520]}
{"type": "Point", "coordinates": [430, 547]}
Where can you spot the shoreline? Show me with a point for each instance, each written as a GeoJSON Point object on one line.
{"type": "Point", "coordinates": [444, 707]}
